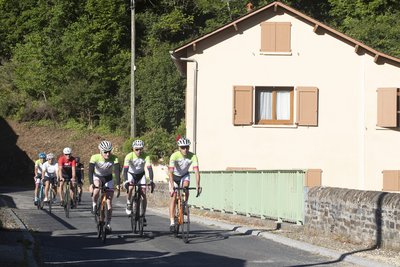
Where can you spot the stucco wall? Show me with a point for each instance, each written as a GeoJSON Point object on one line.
{"type": "Point", "coordinates": [369, 217]}
{"type": "Point", "coordinates": [346, 145]}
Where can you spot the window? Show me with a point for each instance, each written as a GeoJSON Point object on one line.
{"type": "Point", "coordinates": [275, 37]}
{"type": "Point", "coordinates": [388, 107]}
{"type": "Point", "coordinates": [274, 105]}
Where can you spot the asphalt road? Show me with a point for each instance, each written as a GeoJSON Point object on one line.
{"type": "Point", "coordinates": [73, 242]}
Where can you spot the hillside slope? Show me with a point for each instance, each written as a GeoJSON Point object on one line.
{"type": "Point", "coordinates": [21, 143]}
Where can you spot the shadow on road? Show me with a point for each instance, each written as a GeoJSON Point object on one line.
{"type": "Point", "coordinates": [86, 250]}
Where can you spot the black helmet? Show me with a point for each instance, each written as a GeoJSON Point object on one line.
{"type": "Point", "coordinates": [77, 159]}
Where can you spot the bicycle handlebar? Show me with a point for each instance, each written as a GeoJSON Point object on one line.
{"type": "Point", "coordinates": [190, 188]}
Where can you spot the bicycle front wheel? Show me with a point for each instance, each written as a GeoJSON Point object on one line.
{"type": "Point", "coordinates": [104, 230]}
{"type": "Point", "coordinates": [185, 223]}
{"type": "Point", "coordinates": [133, 215]}
{"type": "Point", "coordinates": [41, 198]}
{"type": "Point", "coordinates": [141, 217]}
{"type": "Point", "coordinates": [67, 204]}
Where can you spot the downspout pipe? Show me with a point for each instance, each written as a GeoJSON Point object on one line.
{"type": "Point", "coordinates": [195, 72]}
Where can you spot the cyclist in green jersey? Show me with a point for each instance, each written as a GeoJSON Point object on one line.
{"type": "Point", "coordinates": [178, 172]}
{"type": "Point", "coordinates": [101, 169]}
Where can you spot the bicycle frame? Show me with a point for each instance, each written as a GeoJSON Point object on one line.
{"type": "Point", "coordinates": [182, 212]}
{"type": "Point", "coordinates": [101, 214]}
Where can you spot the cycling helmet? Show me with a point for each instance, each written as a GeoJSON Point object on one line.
{"type": "Point", "coordinates": [77, 159]}
{"type": "Point", "coordinates": [42, 155]}
{"type": "Point", "coordinates": [67, 150]}
{"type": "Point", "coordinates": [183, 141]}
{"type": "Point", "coordinates": [50, 156]}
{"type": "Point", "coordinates": [105, 146]}
{"type": "Point", "coordinates": [138, 144]}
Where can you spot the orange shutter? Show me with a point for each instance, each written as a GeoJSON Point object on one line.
{"type": "Point", "coordinates": [242, 105]}
{"type": "Point", "coordinates": [282, 37]}
{"type": "Point", "coordinates": [387, 107]}
{"type": "Point", "coordinates": [391, 180]}
{"type": "Point", "coordinates": [307, 106]}
{"type": "Point", "coordinates": [268, 37]}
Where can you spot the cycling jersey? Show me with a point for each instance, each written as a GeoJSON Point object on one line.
{"type": "Point", "coordinates": [180, 164]}
{"type": "Point", "coordinates": [66, 165]}
{"type": "Point", "coordinates": [136, 164]}
{"type": "Point", "coordinates": [39, 166]}
{"type": "Point", "coordinates": [101, 167]}
{"type": "Point", "coordinates": [50, 170]}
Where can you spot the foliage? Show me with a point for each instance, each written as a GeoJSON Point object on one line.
{"type": "Point", "coordinates": [69, 61]}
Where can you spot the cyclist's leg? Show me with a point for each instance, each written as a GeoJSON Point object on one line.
{"type": "Point", "coordinates": [172, 207]}
{"type": "Point", "coordinates": [72, 185]}
{"type": "Point", "coordinates": [131, 183]}
{"type": "Point", "coordinates": [61, 191]}
{"type": "Point", "coordinates": [185, 182]}
{"type": "Point", "coordinates": [79, 189]}
{"type": "Point", "coordinates": [46, 188]}
{"type": "Point", "coordinates": [143, 188]}
{"type": "Point", "coordinates": [37, 183]}
{"type": "Point", "coordinates": [97, 182]}
{"type": "Point", "coordinates": [110, 195]}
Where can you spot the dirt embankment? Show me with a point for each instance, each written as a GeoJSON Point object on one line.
{"type": "Point", "coordinates": [21, 142]}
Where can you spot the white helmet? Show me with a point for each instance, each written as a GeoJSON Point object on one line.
{"type": "Point", "coordinates": [105, 146]}
{"type": "Point", "coordinates": [183, 141]}
{"type": "Point", "coordinates": [50, 156]}
{"type": "Point", "coordinates": [138, 144]}
{"type": "Point", "coordinates": [67, 150]}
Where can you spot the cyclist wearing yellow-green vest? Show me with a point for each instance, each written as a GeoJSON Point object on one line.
{"type": "Point", "coordinates": [101, 169]}
{"type": "Point", "coordinates": [134, 173]}
{"type": "Point", "coordinates": [178, 173]}
{"type": "Point", "coordinates": [38, 174]}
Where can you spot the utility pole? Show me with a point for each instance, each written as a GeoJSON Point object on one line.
{"type": "Point", "coordinates": [133, 119]}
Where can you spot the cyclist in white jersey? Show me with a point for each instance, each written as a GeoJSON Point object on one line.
{"type": "Point", "coordinates": [178, 172]}
{"type": "Point", "coordinates": [134, 173]}
{"type": "Point", "coordinates": [49, 174]}
{"type": "Point", "coordinates": [38, 174]}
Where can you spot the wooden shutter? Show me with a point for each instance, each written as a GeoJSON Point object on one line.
{"type": "Point", "coordinates": [391, 180]}
{"type": "Point", "coordinates": [275, 37]}
{"type": "Point", "coordinates": [307, 106]}
{"type": "Point", "coordinates": [242, 105]}
{"type": "Point", "coordinates": [282, 37]}
{"type": "Point", "coordinates": [268, 37]}
{"type": "Point", "coordinates": [387, 107]}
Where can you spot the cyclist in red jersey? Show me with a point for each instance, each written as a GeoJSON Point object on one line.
{"type": "Point", "coordinates": [66, 173]}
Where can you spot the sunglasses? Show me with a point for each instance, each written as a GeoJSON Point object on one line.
{"type": "Point", "coordinates": [184, 147]}
{"type": "Point", "coordinates": [138, 149]}
{"type": "Point", "coordinates": [67, 154]}
{"type": "Point", "coordinates": [107, 152]}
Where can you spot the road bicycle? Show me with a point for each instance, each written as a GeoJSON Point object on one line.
{"type": "Point", "coordinates": [67, 198]}
{"type": "Point", "coordinates": [182, 212]}
{"type": "Point", "coordinates": [40, 199]}
{"type": "Point", "coordinates": [138, 213]}
{"type": "Point", "coordinates": [101, 213]}
{"type": "Point", "coordinates": [41, 196]}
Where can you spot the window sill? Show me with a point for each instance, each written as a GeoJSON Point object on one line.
{"type": "Point", "coordinates": [275, 53]}
{"type": "Point", "coordinates": [274, 126]}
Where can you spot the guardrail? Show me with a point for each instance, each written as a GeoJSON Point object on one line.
{"type": "Point", "coordinates": [272, 194]}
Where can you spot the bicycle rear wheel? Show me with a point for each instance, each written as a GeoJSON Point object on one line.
{"type": "Point", "coordinates": [185, 223]}
{"type": "Point", "coordinates": [67, 204]}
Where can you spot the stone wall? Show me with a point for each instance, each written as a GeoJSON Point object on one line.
{"type": "Point", "coordinates": [369, 217]}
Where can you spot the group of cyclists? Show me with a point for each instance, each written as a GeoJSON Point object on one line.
{"type": "Point", "coordinates": [105, 166]}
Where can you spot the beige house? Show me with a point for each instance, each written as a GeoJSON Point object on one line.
{"type": "Point", "coordinates": [276, 89]}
